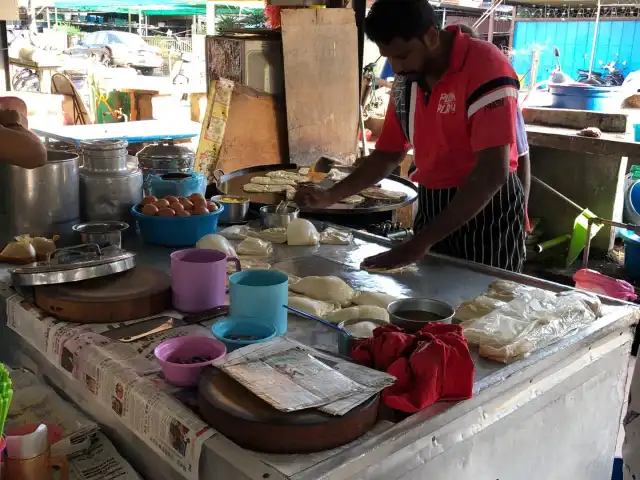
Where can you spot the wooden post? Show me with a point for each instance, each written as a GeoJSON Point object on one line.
{"type": "Point", "coordinates": [512, 28]}
{"type": "Point", "coordinates": [491, 26]}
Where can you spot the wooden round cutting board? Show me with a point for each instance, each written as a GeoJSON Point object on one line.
{"type": "Point", "coordinates": [254, 424]}
{"type": "Point", "coordinates": [136, 293]}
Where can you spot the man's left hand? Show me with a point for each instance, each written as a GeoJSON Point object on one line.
{"type": "Point", "coordinates": [399, 256]}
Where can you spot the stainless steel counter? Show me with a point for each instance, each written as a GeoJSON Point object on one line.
{"type": "Point", "coordinates": [527, 420]}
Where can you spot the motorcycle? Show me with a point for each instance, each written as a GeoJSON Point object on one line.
{"type": "Point", "coordinates": [612, 75]}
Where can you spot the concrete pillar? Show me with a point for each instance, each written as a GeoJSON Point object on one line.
{"type": "Point", "coordinates": [211, 18]}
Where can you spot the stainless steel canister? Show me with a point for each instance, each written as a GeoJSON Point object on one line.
{"type": "Point", "coordinates": [107, 191]}
{"type": "Point", "coordinates": [44, 201]}
{"type": "Point", "coordinates": [104, 155]}
{"type": "Point", "coordinates": [165, 157]}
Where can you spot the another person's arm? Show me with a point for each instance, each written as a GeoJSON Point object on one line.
{"type": "Point", "coordinates": [20, 147]}
{"type": "Point", "coordinates": [524, 165]}
{"type": "Point", "coordinates": [390, 149]}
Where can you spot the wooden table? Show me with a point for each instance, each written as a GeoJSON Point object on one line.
{"type": "Point", "coordinates": [44, 71]}
{"type": "Point", "coordinates": [141, 99]}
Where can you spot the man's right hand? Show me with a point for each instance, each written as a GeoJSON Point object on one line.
{"type": "Point", "coordinates": [313, 196]}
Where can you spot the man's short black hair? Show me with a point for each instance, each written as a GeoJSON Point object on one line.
{"type": "Point", "coordinates": [405, 19]}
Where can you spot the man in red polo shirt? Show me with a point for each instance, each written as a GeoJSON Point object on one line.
{"type": "Point", "coordinates": [454, 101]}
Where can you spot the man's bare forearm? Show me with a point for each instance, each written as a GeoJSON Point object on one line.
{"type": "Point", "coordinates": [21, 147]}
{"type": "Point", "coordinates": [371, 170]}
{"type": "Point", "coordinates": [524, 174]}
{"type": "Point", "coordinates": [484, 181]}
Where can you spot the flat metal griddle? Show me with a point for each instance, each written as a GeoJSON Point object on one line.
{"type": "Point", "coordinates": [232, 183]}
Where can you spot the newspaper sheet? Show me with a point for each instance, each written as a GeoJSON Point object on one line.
{"type": "Point", "coordinates": [290, 376]}
{"type": "Point", "coordinates": [100, 461]}
{"type": "Point", "coordinates": [122, 377]}
{"type": "Point", "coordinates": [34, 402]}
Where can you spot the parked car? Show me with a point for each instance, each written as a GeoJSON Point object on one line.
{"type": "Point", "coordinates": [114, 48]}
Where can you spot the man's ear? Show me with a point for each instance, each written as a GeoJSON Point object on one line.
{"type": "Point", "coordinates": [431, 39]}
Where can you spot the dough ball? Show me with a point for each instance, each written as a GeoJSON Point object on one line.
{"type": "Point", "coordinates": [374, 298]}
{"type": "Point", "coordinates": [329, 289]}
{"type": "Point", "coordinates": [311, 306]}
{"type": "Point", "coordinates": [361, 311]}
{"type": "Point", "coordinates": [302, 232]}
{"type": "Point", "coordinates": [216, 242]}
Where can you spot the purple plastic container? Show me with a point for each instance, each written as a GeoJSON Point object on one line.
{"type": "Point", "coordinates": [184, 349]}
{"type": "Point", "coordinates": [199, 279]}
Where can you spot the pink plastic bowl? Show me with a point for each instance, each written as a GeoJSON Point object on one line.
{"type": "Point", "coordinates": [186, 348]}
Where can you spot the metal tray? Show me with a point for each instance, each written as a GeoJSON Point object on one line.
{"type": "Point", "coordinates": [232, 183]}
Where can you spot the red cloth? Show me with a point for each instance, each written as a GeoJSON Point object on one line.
{"type": "Point", "coordinates": [431, 365]}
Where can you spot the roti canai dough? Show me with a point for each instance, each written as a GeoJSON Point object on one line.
{"type": "Point", "coordinates": [352, 199]}
{"type": "Point", "coordinates": [258, 188]}
{"type": "Point", "coordinates": [382, 194]}
{"type": "Point", "coordinates": [255, 246]}
{"type": "Point", "coordinates": [272, 181]}
{"type": "Point", "coordinates": [329, 289]}
{"type": "Point", "coordinates": [361, 311]}
{"type": "Point", "coordinates": [237, 232]}
{"type": "Point", "coordinates": [377, 299]}
{"type": "Point", "coordinates": [287, 174]}
{"type": "Point", "coordinates": [334, 236]}
{"type": "Point", "coordinates": [249, 263]}
{"type": "Point", "coordinates": [411, 268]}
{"type": "Point", "coordinates": [216, 242]}
{"type": "Point", "coordinates": [302, 232]}
{"type": "Point", "coordinates": [311, 306]}
{"type": "Point", "coordinates": [273, 235]}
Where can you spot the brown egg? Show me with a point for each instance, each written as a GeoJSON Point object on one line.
{"type": "Point", "coordinates": [194, 196]}
{"type": "Point", "coordinates": [186, 204]}
{"type": "Point", "coordinates": [176, 206]}
{"type": "Point", "coordinates": [148, 200]}
{"type": "Point", "coordinates": [161, 204]}
{"type": "Point", "coordinates": [212, 207]}
{"type": "Point", "coordinates": [150, 209]}
{"type": "Point", "coordinates": [182, 213]}
{"type": "Point", "coordinates": [171, 199]}
{"type": "Point", "coordinates": [166, 212]}
{"type": "Point", "coordinates": [200, 211]}
{"type": "Point", "coordinates": [199, 203]}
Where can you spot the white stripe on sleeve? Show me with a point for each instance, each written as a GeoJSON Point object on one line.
{"type": "Point", "coordinates": [502, 92]}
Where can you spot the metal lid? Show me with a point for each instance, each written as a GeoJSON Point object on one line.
{"type": "Point", "coordinates": [165, 152]}
{"type": "Point", "coordinates": [74, 264]}
{"type": "Point", "coordinates": [103, 145]}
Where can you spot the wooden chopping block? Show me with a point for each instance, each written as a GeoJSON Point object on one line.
{"type": "Point", "coordinates": [137, 293]}
{"type": "Point", "coordinates": [254, 424]}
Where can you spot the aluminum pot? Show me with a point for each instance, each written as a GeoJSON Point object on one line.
{"type": "Point", "coordinates": [269, 218]}
{"type": "Point", "coordinates": [44, 201]}
{"type": "Point", "coordinates": [165, 157]}
{"type": "Point", "coordinates": [438, 311]}
{"type": "Point", "coordinates": [234, 212]}
{"type": "Point", "coordinates": [104, 156]}
{"type": "Point", "coordinates": [103, 234]}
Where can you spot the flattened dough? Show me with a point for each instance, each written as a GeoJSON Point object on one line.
{"type": "Point", "coordinates": [412, 267]}
{"type": "Point", "coordinates": [287, 174]}
{"type": "Point", "coordinates": [334, 236]}
{"type": "Point", "coordinates": [249, 263]}
{"type": "Point", "coordinates": [361, 311]}
{"type": "Point", "coordinates": [353, 199]}
{"type": "Point", "coordinates": [272, 181]}
{"type": "Point", "coordinates": [337, 175]}
{"type": "Point", "coordinates": [377, 299]}
{"type": "Point", "coordinates": [329, 289]}
{"type": "Point", "coordinates": [255, 246]}
{"type": "Point", "coordinates": [382, 194]}
{"type": "Point", "coordinates": [318, 308]}
{"type": "Point", "coordinates": [258, 188]}
{"type": "Point", "coordinates": [273, 235]}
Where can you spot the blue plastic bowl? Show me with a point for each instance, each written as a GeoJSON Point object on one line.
{"type": "Point", "coordinates": [223, 329]}
{"type": "Point", "coordinates": [176, 231]}
{"type": "Point", "coordinates": [631, 253]}
{"type": "Point", "coordinates": [584, 97]}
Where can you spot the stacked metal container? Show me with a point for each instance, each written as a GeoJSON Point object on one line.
{"type": "Point", "coordinates": [110, 183]}
{"type": "Point", "coordinates": [43, 201]}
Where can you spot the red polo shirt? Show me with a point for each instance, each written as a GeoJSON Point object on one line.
{"type": "Point", "coordinates": [471, 108]}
